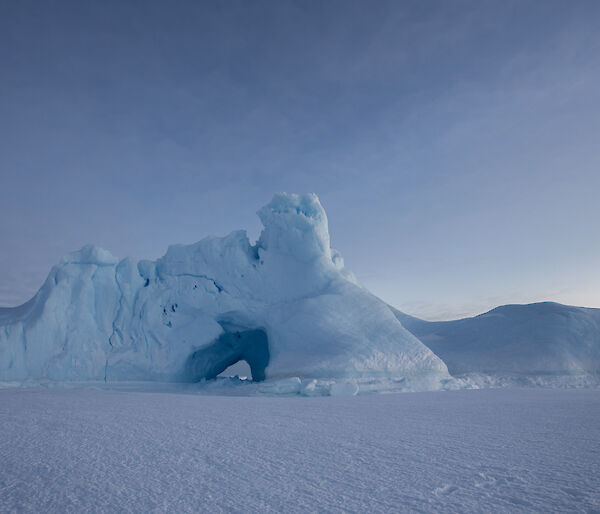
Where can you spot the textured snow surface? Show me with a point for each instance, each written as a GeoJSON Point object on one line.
{"type": "Point", "coordinates": [508, 450]}
{"type": "Point", "coordinates": [286, 305]}
{"type": "Point", "coordinates": [541, 339]}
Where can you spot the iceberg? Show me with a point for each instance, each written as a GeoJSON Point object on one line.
{"type": "Point", "coordinates": [286, 305]}
{"type": "Point", "coordinates": [525, 344]}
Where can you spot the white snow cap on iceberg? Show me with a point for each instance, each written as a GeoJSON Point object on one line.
{"type": "Point", "coordinates": [286, 305]}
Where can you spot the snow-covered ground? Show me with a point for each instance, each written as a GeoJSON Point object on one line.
{"type": "Point", "coordinates": [503, 450]}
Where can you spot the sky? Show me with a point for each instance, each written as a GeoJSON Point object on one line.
{"type": "Point", "coordinates": [454, 145]}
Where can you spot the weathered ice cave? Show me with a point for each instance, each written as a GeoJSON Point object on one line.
{"type": "Point", "coordinates": [234, 345]}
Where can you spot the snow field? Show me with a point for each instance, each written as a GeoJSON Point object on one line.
{"type": "Point", "coordinates": [507, 450]}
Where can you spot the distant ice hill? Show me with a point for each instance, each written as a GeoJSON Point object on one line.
{"type": "Point", "coordinates": [286, 305]}
{"type": "Point", "coordinates": [541, 339]}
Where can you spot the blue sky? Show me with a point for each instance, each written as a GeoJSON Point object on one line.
{"type": "Point", "coordinates": [454, 145]}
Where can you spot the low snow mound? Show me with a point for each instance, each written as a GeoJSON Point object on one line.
{"type": "Point", "coordinates": [286, 305]}
{"type": "Point", "coordinates": [537, 339]}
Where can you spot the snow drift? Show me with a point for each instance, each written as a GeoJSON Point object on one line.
{"type": "Point", "coordinates": [286, 305]}
{"type": "Point", "coordinates": [537, 339]}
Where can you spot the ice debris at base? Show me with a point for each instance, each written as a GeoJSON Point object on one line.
{"type": "Point", "coordinates": [290, 386]}
{"type": "Point", "coordinates": [286, 305]}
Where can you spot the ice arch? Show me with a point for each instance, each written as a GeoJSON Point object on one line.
{"type": "Point", "coordinates": [250, 345]}
{"type": "Point", "coordinates": [98, 318]}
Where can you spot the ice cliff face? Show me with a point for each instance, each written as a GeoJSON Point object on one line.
{"type": "Point", "coordinates": [285, 305]}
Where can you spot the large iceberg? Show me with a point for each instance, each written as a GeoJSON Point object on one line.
{"type": "Point", "coordinates": [286, 305]}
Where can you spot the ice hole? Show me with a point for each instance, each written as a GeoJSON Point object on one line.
{"type": "Point", "coordinates": [239, 369]}
{"type": "Point", "coordinates": [233, 346]}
